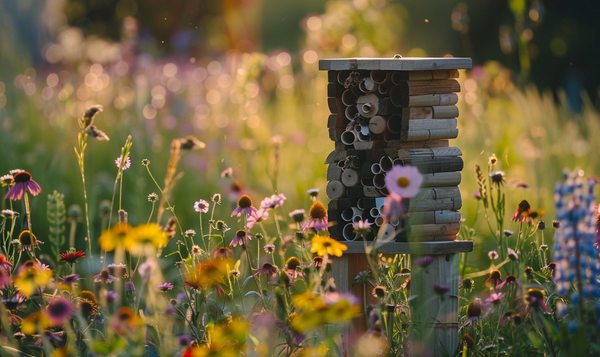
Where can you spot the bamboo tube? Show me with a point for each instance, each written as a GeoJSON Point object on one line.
{"type": "Point", "coordinates": [348, 137]}
{"type": "Point", "coordinates": [367, 85]}
{"type": "Point", "coordinates": [386, 163]}
{"type": "Point", "coordinates": [436, 193]}
{"type": "Point", "coordinates": [420, 205]}
{"type": "Point", "coordinates": [379, 221]}
{"type": "Point", "coordinates": [349, 97]}
{"type": "Point", "coordinates": [377, 124]}
{"type": "Point", "coordinates": [397, 144]}
{"type": "Point", "coordinates": [429, 134]}
{"type": "Point", "coordinates": [437, 164]}
{"type": "Point", "coordinates": [334, 172]}
{"type": "Point", "coordinates": [348, 232]}
{"type": "Point", "coordinates": [370, 191]}
{"type": "Point", "coordinates": [374, 212]}
{"type": "Point", "coordinates": [384, 88]}
{"type": "Point", "coordinates": [350, 178]}
{"type": "Point", "coordinates": [429, 217]}
{"type": "Point", "coordinates": [368, 105]}
{"type": "Point", "coordinates": [388, 232]}
{"type": "Point", "coordinates": [341, 203]}
{"type": "Point", "coordinates": [444, 111]}
{"type": "Point", "coordinates": [351, 112]}
{"type": "Point", "coordinates": [379, 180]}
{"type": "Point", "coordinates": [429, 124]}
{"type": "Point", "coordinates": [335, 189]}
{"type": "Point", "coordinates": [425, 100]}
{"type": "Point", "coordinates": [375, 168]}
{"type": "Point", "coordinates": [394, 124]}
{"type": "Point", "coordinates": [399, 76]}
{"type": "Point", "coordinates": [425, 87]}
{"type": "Point", "coordinates": [411, 154]}
{"type": "Point", "coordinates": [441, 179]}
{"type": "Point", "coordinates": [342, 76]}
{"type": "Point", "coordinates": [430, 112]}
{"type": "Point", "coordinates": [380, 76]}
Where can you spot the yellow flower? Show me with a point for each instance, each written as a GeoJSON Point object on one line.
{"type": "Point", "coordinates": [36, 321]}
{"type": "Point", "coordinates": [145, 236]}
{"type": "Point", "coordinates": [114, 237]}
{"type": "Point", "coordinates": [31, 278]}
{"type": "Point", "coordinates": [326, 245]}
{"type": "Point", "coordinates": [209, 273]}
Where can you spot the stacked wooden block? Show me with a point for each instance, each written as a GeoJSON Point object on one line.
{"type": "Point", "coordinates": [387, 112]}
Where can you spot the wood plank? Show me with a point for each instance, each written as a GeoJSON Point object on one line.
{"type": "Point", "coordinates": [428, 217]}
{"type": "Point", "coordinates": [398, 76]}
{"type": "Point", "coordinates": [410, 154]}
{"type": "Point", "coordinates": [441, 179]}
{"type": "Point", "coordinates": [395, 64]}
{"type": "Point", "coordinates": [418, 248]}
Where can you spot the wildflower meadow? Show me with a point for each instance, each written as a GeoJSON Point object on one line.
{"type": "Point", "coordinates": [174, 205]}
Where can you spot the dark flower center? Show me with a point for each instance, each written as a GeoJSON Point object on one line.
{"type": "Point", "coordinates": [474, 309]}
{"type": "Point", "coordinates": [244, 201]}
{"type": "Point", "coordinates": [317, 211]}
{"type": "Point", "coordinates": [240, 233]}
{"type": "Point", "coordinates": [58, 308]}
{"type": "Point", "coordinates": [535, 293]}
{"type": "Point", "coordinates": [495, 274]}
{"type": "Point", "coordinates": [26, 238]}
{"type": "Point", "coordinates": [22, 176]}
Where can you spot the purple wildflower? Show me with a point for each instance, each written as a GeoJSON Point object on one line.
{"type": "Point", "coordinates": [493, 255]}
{"type": "Point", "coordinates": [111, 296]}
{"type": "Point", "coordinates": [244, 206]}
{"type": "Point", "coordinates": [105, 277]}
{"type": "Point", "coordinates": [424, 262]}
{"type": "Point", "coordinates": [23, 182]}
{"type": "Point", "coordinates": [257, 216]}
{"type": "Point", "coordinates": [494, 298]}
{"type": "Point", "coordinates": [201, 206]}
{"type": "Point", "coordinates": [269, 248]}
{"type": "Point", "coordinates": [126, 165]}
{"type": "Point", "coordinates": [240, 238]}
{"type": "Point", "coordinates": [59, 310]}
{"type": "Point", "coordinates": [69, 279]}
{"type": "Point", "coordinates": [164, 287]}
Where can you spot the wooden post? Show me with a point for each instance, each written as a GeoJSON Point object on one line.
{"type": "Point", "coordinates": [435, 321]}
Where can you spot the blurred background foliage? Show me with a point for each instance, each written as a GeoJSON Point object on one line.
{"type": "Point", "coordinates": [242, 75]}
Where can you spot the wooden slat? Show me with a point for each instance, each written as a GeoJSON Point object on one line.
{"type": "Point", "coordinates": [393, 64]}
{"type": "Point", "coordinates": [421, 248]}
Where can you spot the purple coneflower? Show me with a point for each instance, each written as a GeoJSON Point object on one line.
{"type": "Point", "coordinates": [495, 278]}
{"type": "Point", "coordinates": [227, 173]}
{"type": "Point", "coordinates": [474, 311]}
{"type": "Point", "coordinates": [222, 252]}
{"type": "Point", "coordinates": [512, 255]}
{"type": "Point", "coordinates": [494, 298]}
{"type": "Point", "coordinates": [201, 206]}
{"type": "Point", "coordinates": [105, 277]}
{"type": "Point", "coordinates": [522, 212]}
{"type": "Point", "coordinates": [23, 182]}
{"type": "Point", "coordinates": [59, 310]}
{"type": "Point", "coordinates": [510, 280]}
{"type": "Point", "coordinates": [69, 279]}
{"type": "Point", "coordinates": [297, 215]}
{"type": "Point", "coordinates": [240, 238]}
{"type": "Point", "coordinates": [164, 287]}
{"type": "Point", "coordinates": [126, 165]}
{"type": "Point", "coordinates": [269, 248]}
{"type": "Point", "coordinates": [267, 269]}
{"type": "Point", "coordinates": [257, 216]}
{"type": "Point", "coordinates": [318, 217]}
{"type": "Point", "coordinates": [273, 202]}
{"type": "Point", "coordinates": [28, 240]}
{"type": "Point", "coordinates": [535, 298]}
{"type": "Point", "coordinates": [362, 228]}
{"type": "Point", "coordinates": [244, 206]}
{"type": "Point", "coordinates": [4, 278]}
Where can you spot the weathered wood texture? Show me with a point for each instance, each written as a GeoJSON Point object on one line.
{"type": "Point", "coordinates": [393, 64]}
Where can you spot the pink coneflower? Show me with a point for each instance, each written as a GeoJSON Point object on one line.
{"type": "Point", "coordinates": [510, 280]}
{"type": "Point", "coordinates": [474, 310]}
{"type": "Point", "coordinates": [535, 298]}
{"type": "Point", "coordinates": [257, 216]}
{"type": "Point", "coordinates": [222, 252]}
{"type": "Point", "coordinates": [268, 269]}
{"type": "Point", "coordinates": [244, 206]}
{"type": "Point", "coordinates": [201, 206]}
{"type": "Point", "coordinates": [318, 217]}
{"type": "Point", "coordinates": [59, 310]}
{"type": "Point", "coordinates": [164, 287]}
{"type": "Point", "coordinates": [522, 212]}
{"type": "Point", "coordinates": [269, 248]}
{"type": "Point", "coordinates": [494, 298]}
{"type": "Point", "coordinates": [240, 238]}
{"type": "Point", "coordinates": [4, 263]}
{"type": "Point", "coordinates": [404, 181]}
{"type": "Point", "coordinates": [495, 278]}
{"type": "Point", "coordinates": [126, 165]}
{"type": "Point", "coordinates": [493, 255]}
{"type": "Point", "coordinates": [23, 182]}
{"type": "Point", "coordinates": [105, 277]}
{"type": "Point", "coordinates": [69, 279]}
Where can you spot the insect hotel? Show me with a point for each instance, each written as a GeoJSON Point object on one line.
{"type": "Point", "coordinates": [398, 111]}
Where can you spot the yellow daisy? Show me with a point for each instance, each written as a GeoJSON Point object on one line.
{"type": "Point", "coordinates": [326, 245]}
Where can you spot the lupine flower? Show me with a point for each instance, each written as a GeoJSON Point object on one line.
{"type": "Point", "coordinates": [404, 181]}
{"type": "Point", "coordinates": [23, 183]}
{"type": "Point", "coordinates": [244, 206]}
{"type": "Point", "coordinates": [575, 253]}
{"type": "Point", "coordinates": [318, 217]}
{"type": "Point", "coordinates": [59, 310]}
{"type": "Point", "coordinates": [326, 245]}
{"type": "Point", "coordinates": [129, 286]}
{"type": "Point", "coordinates": [126, 165]}
{"type": "Point", "coordinates": [201, 206]}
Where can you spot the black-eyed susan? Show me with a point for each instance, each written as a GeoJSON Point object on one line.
{"type": "Point", "coordinates": [22, 183]}
{"type": "Point", "coordinates": [327, 246]}
{"type": "Point", "coordinates": [31, 278]}
{"type": "Point", "coordinates": [114, 237]}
